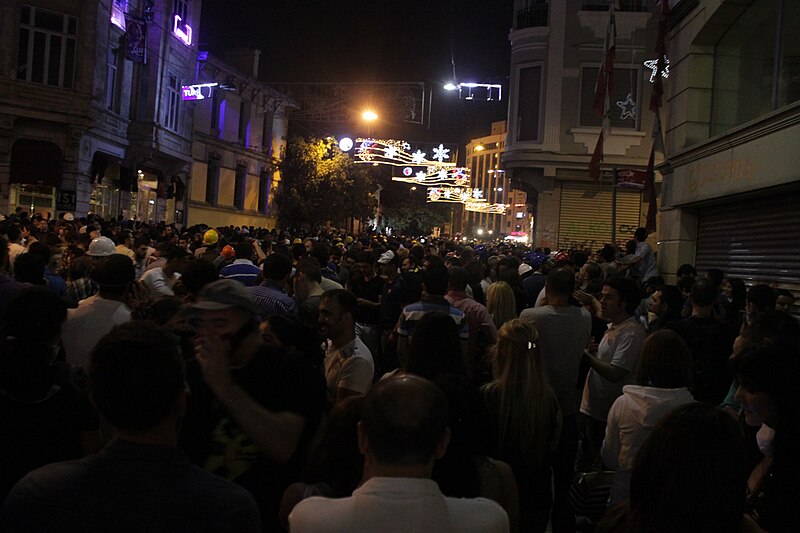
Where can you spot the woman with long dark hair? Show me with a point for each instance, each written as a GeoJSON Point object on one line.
{"type": "Point", "coordinates": [525, 419]}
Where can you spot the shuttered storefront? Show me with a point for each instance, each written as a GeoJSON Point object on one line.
{"type": "Point", "coordinates": [585, 215]}
{"type": "Point", "coordinates": [757, 240]}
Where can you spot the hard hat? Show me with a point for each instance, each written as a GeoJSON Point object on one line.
{"type": "Point", "coordinates": [228, 252]}
{"type": "Point", "coordinates": [297, 240]}
{"type": "Point", "coordinates": [348, 239]}
{"type": "Point", "coordinates": [210, 237]}
{"type": "Point", "coordinates": [101, 247]}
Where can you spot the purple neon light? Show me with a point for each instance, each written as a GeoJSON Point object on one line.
{"type": "Point", "coordinates": [184, 33]}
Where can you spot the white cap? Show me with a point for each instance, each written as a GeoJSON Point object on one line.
{"type": "Point", "coordinates": [101, 247]}
{"type": "Point", "coordinates": [524, 268]}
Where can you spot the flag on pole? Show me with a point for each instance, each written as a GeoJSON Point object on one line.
{"type": "Point", "coordinates": [650, 181]}
{"type": "Point", "coordinates": [602, 94]}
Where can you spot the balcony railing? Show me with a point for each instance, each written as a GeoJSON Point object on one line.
{"type": "Point", "coordinates": [532, 17]}
{"type": "Point", "coordinates": [621, 5]}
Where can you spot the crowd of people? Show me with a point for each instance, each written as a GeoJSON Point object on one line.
{"type": "Point", "coordinates": [245, 379]}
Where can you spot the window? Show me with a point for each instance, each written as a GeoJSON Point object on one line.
{"type": "Point", "coordinates": [266, 134]}
{"type": "Point", "coordinates": [180, 21]}
{"type": "Point", "coordinates": [46, 47]}
{"type": "Point", "coordinates": [111, 79]}
{"type": "Point", "coordinates": [263, 190]}
{"type": "Point", "coordinates": [118, 10]}
{"type": "Point", "coordinates": [244, 123]}
{"type": "Point", "coordinates": [181, 9]}
{"type": "Point", "coordinates": [171, 110]}
{"type": "Point", "coordinates": [626, 81]}
{"type": "Point", "coordinates": [212, 180]}
{"type": "Point", "coordinates": [238, 186]}
{"type": "Point", "coordinates": [529, 95]}
{"type": "Point", "coordinates": [532, 13]}
{"type": "Point", "coordinates": [756, 65]}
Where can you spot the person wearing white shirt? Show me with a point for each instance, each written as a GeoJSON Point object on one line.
{"type": "Point", "coordinates": [161, 281]}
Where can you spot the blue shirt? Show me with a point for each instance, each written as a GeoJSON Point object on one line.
{"type": "Point", "coordinates": [412, 313]}
{"type": "Point", "coordinates": [271, 300]}
{"type": "Point", "coordinates": [243, 271]}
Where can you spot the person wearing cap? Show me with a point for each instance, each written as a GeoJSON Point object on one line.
{"type": "Point", "coordinates": [97, 315]}
{"type": "Point", "coordinates": [85, 286]}
{"type": "Point", "coordinates": [242, 268]}
{"type": "Point", "coordinates": [161, 281]}
{"type": "Point", "coordinates": [254, 408]}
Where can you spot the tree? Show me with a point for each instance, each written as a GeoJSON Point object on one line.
{"type": "Point", "coordinates": [416, 219]}
{"type": "Point", "coordinates": [320, 184]}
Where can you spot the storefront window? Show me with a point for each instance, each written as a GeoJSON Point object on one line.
{"type": "Point", "coordinates": [104, 201]}
{"type": "Point", "coordinates": [33, 199]}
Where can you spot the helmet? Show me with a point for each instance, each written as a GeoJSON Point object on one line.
{"type": "Point", "coordinates": [101, 247]}
{"type": "Point", "coordinates": [228, 252]}
{"type": "Point", "coordinates": [210, 237]}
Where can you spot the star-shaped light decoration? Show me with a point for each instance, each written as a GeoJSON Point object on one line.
{"type": "Point", "coordinates": [406, 146]}
{"type": "Point", "coordinates": [418, 157]}
{"type": "Point", "coordinates": [441, 153]}
{"type": "Point", "coordinates": [421, 176]}
{"type": "Point", "coordinates": [628, 107]}
{"type": "Point", "coordinates": [652, 64]}
{"type": "Point", "coordinates": [390, 152]}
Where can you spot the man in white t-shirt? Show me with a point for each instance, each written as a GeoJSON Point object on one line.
{"type": "Point", "coordinates": [613, 364]}
{"type": "Point", "coordinates": [349, 368]}
{"type": "Point", "coordinates": [644, 259]}
{"type": "Point", "coordinates": [161, 281]}
{"type": "Point", "coordinates": [403, 431]}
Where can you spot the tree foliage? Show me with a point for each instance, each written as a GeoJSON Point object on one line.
{"type": "Point", "coordinates": [321, 184]}
{"type": "Point", "coordinates": [415, 219]}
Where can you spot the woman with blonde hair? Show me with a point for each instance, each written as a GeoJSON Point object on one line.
{"type": "Point", "coordinates": [525, 419]}
{"type": "Point", "coordinates": [501, 303]}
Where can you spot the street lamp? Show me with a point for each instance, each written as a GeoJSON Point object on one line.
{"type": "Point", "coordinates": [369, 116]}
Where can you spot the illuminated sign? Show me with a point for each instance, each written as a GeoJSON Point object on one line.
{"type": "Point", "coordinates": [182, 31]}
{"type": "Point", "coordinates": [195, 92]}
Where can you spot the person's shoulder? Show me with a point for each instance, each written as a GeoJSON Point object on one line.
{"type": "Point", "coordinates": [319, 514]}
{"type": "Point", "coordinates": [478, 514]}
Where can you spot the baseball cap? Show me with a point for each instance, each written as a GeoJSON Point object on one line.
{"type": "Point", "coordinates": [386, 257]}
{"type": "Point", "coordinates": [225, 294]}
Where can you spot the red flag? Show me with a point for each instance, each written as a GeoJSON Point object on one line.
{"type": "Point", "coordinates": [605, 76]}
{"type": "Point", "coordinates": [650, 191]}
{"type": "Point", "coordinates": [597, 158]}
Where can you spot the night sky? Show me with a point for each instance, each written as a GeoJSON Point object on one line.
{"type": "Point", "coordinates": [379, 41]}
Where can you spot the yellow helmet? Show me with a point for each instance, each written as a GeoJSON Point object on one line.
{"type": "Point", "coordinates": [210, 237]}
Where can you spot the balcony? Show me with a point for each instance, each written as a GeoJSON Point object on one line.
{"type": "Point", "coordinates": [532, 17]}
{"type": "Point", "coordinates": [622, 5]}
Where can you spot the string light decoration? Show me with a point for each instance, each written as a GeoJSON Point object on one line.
{"type": "Point", "coordinates": [398, 153]}
{"type": "Point", "coordinates": [628, 107]}
{"type": "Point", "coordinates": [652, 64]}
{"type": "Point", "coordinates": [471, 198]}
{"type": "Point", "coordinates": [436, 175]}
{"type": "Point", "coordinates": [483, 207]}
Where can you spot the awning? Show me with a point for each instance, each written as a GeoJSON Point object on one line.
{"type": "Point", "coordinates": [36, 163]}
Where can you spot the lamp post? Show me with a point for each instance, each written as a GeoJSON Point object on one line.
{"type": "Point", "coordinates": [369, 116]}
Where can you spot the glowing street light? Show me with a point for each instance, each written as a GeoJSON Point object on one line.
{"type": "Point", "coordinates": [369, 115]}
{"type": "Point", "coordinates": [480, 231]}
{"type": "Point", "coordinates": [450, 86]}
{"type": "Point", "coordinates": [479, 148]}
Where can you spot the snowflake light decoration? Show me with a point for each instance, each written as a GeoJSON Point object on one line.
{"type": "Point", "coordinates": [464, 196]}
{"type": "Point", "coordinates": [418, 157]}
{"type": "Point", "coordinates": [421, 176]}
{"type": "Point", "coordinates": [441, 153]}
{"type": "Point", "coordinates": [442, 174]}
{"type": "Point", "coordinates": [628, 107]}
{"type": "Point", "coordinates": [390, 152]}
{"type": "Point", "coordinates": [652, 64]}
{"type": "Point", "coordinates": [477, 193]}
{"type": "Point", "coordinates": [405, 146]}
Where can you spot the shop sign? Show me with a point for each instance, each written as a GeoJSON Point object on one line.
{"type": "Point", "coordinates": [66, 200]}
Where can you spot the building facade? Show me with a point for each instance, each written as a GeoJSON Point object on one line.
{"type": "Point", "coordinates": [240, 128]}
{"type": "Point", "coordinates": [483, 160]}
{"type": "Point", "coordinates": [556, 52]}
{"type": "Point", "coordinates": [731, 196]}
{"type": "Point", "coordinates": [97, 116]}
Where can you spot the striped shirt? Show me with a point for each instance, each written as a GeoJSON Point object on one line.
{"type": "Point", "coordinates": [412, 313]}
{"type": "Point", "coordinates": [243, 271]}
{"type": "Point", "coordinates": [271, 300]}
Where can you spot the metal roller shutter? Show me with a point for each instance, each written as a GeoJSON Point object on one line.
{"type": "Point", "coordinates": [585, 215]}
{"type": "Point", "coordinates": [757, 240]}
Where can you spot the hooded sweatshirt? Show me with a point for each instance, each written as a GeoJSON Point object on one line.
{"type": "Point", "coordinates": [630, 421]}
